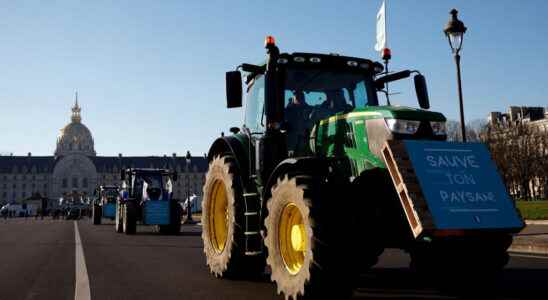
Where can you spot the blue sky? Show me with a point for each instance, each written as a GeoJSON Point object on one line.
{"type": "Point", "coordinates": [150, 74]}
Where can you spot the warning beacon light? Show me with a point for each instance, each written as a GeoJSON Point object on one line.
{"type": "Point", "coordinates": [386, 54]}
{"type": "Point", "coordinates": [269, 41]}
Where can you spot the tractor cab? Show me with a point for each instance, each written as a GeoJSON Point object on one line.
{"type": "Point", "coordinates": [308, 104]}
{"type": "Point", "coordinates": [147, 197]}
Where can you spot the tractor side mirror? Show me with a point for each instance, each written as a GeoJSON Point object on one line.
{"type": "Point", "coordinates": [123, 175]}
{"type": "Point", "coordinates": [422, 91]}
{"type": "Point", "coordinates": [381, 81]}
{"type": "Point", "coordinates": [233, 89]}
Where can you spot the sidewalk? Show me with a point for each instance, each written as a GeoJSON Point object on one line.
{"type": "Point", "coordinates": [533, 239]}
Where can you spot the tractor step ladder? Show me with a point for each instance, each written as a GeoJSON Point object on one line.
{"type": "Point", "coordinates": [253, 238]}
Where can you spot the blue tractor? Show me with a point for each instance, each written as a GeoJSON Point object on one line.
{"type": "Point", "coordinates": [104, 205]}
{"type": "Point", "coordinates": [146, 197]}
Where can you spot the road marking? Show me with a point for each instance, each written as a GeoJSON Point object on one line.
{"type": "Point", "coordinates": [528, 256]}
{"type": "Point", "coordinates": [81, 286]}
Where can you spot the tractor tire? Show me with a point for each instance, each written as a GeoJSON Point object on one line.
{"type": "Point", "coordinates": [96, 214]}
{"type": "Point", "coordinates": [223, 223]}
{"type": "Point", "coordinates": [312, 254]}
{"type": "Point", "coordinates": [118, 225]}
{"type": "Point", "coordinates": [130, 218]}
{"type": "Point", "coordinates": [444, 263]}
{"type": "Point", "coordinates": [174, 227]}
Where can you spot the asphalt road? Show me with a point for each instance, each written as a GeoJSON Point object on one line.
{"type": "Point", "coordinates": [38, 261]}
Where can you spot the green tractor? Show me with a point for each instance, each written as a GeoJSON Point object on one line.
{"type": "Point", "coordinates": [302, 187]}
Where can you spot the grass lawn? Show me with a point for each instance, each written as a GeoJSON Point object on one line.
{"type": "Point", "coordinates": [533, 210]}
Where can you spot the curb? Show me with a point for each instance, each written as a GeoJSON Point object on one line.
{"type": "Point", "coordinates": [536, 222]}
{"type": "Point", "coordinates": [530, 249]}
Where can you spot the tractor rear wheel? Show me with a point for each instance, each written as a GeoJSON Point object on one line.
{"type": "Point", "coordinates": [223, 222]}
{"type": "Point", "coordinates": [130, 218]}
{"type": "Point", "coordinates": [174, 227]}
{"type": "Point", "coordinates": [118, 225]}
{"type": "Point", "coordinates": [312, 253]}
{"type": "Point", "coordinates": [96, 214]}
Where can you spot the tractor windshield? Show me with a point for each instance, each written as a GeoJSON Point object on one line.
{"type": "Point", "coordinates": [111, 193]}
{"type": "Point", "coordinates": [335, 91]}
{"type": "Point", "coordinates": [312, 95]}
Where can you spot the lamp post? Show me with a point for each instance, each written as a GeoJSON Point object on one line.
{"type": "Point", "coordinates": [454, 30]}
{"type": "Point", "coordinates": [189, 219]}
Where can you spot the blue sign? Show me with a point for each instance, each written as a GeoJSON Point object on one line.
{"type": "Point", "coordinates": [109, 210]}
{"type": "Point", "coordinates": [156, 212]}
{"type": "Point", "coordinates": [461, 185]}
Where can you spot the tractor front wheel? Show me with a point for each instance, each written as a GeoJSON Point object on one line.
{"type": "Point", "coordinates": [130, 218]}
{"type": "Point", "coordinates": [119, 220]}
{"type": "Point", "coordinates": [96, 214]}
{"type": "Point", "coordinates": [310, 252]}
{"type": "Point", "coordinates": [480, 259]}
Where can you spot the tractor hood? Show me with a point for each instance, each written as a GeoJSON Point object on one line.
{"type": "Point", "coordinates": [401, 112]}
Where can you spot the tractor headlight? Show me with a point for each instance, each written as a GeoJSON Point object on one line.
{"type": "Point", "coordinates": [402, 126]}
{"type": "Point", "coordinates": [438, 128]}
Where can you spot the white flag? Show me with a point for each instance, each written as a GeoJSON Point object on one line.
{"type": "Point", "coordinates": [381, 29]}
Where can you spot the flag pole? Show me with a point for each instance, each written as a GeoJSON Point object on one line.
{"type": "Point", "coordinates": [386, 55]}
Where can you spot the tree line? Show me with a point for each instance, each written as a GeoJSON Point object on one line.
{"type": "Point", "coordinates": [519, 150]}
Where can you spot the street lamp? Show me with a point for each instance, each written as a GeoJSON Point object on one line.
{"type": "Point", "coordinates": [188, 203]}
{"type": "Point", "coordinates": [454, 30]}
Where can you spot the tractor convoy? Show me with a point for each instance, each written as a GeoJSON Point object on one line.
{"type": "Point", "coordinates": [145, 197]}
{"type": "Point", "coordinates": [323, 177]}
{"type": "Point", "coordinates": [303, 187]}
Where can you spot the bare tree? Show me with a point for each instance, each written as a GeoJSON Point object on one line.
{"type": "Point", "coordinates": [520, 153]}
{"type": "Point", "coordinates": [473, 130]}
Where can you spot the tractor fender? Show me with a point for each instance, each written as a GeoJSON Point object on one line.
{"type": "Point", "coordinates": [235, 145]}
{"type": "Point", "coordinates": [327, 167]}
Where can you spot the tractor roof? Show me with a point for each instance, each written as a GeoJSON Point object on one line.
{"type": "Point", "coordinates": [334, 61]}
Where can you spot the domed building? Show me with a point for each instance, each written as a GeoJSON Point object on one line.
{"type": "Point", "coordinates": [75, 138]}
{"type": "Point", "coordinates": [75, 168]}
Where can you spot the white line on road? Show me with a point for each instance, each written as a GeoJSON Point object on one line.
{"type": "Point", "coordinates": [528, 256]}
{"type": "Point", "coordinates": [81, 286]}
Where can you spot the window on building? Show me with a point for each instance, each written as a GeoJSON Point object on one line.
{"type": "Point", "coordinates": [65, 183]}
{"type": "Point", "coordinates": [74, 182]}
{"type": "Point", "coordinates": [85, 182]}
{"type": "Point", "coordinates": [45, 186]}
{"type": "Point", "coordinates": [4, 194]}
{"type": "Point", "coordinates": [24, 185]}
{"type": "Point", "coordinates": [14, 185]}
{"type": "Point", "coordinates": [33, 177]}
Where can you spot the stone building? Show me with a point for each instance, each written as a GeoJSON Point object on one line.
{"type": "Point", "coordinates": [75, 168]}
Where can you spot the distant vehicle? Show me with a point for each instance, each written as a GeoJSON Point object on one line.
{"type": "Point", "coordinates": [73, 213]}
{"type": "Point", "coordinates": [15, 210]}
{"type": "Point", "coordinates": [104, 206]}
{"type": "Point", "coordinates": [147, 197]}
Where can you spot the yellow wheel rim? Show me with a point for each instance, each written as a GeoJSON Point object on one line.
{"type": "Point", "coordinates": [218, 216]}
{"type": "Point", "coordinates": [292, 238]}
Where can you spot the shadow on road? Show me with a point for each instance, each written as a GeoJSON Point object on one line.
{"type": "Point", "coordinates": [402, 283]}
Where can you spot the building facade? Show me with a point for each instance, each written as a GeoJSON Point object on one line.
{"type": "Point", "coordinates": [76, 169]}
